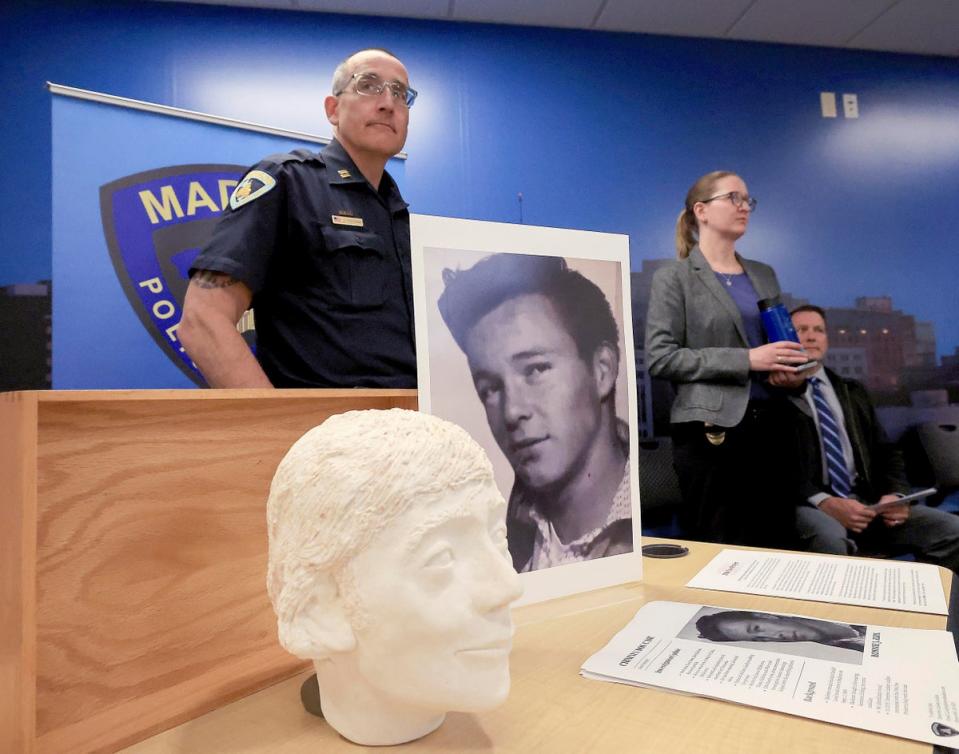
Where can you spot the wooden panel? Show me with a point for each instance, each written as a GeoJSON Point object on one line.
{"type": "Point", "coordinates": [151, 560]}
{"type": "Point", "coordinates": [18, 500]}
{"type": "Point", "coordinates": [552, 709]}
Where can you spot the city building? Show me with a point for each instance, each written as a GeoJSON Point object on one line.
{"type": "Point", "coordinates": [25, 352]}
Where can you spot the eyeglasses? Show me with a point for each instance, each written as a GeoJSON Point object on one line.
{"type": "Point", "coordinates": [736, 198]}
{"type": "Point", "coordinates": [371, 85]}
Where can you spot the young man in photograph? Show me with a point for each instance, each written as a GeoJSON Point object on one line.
{"type": "Point", "coordinates": [746, 625]}
{"type": "Point", "coordinates": [543, 351]}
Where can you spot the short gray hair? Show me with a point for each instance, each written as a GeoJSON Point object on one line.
{"type": "Point", "coordinates": [342, 74]}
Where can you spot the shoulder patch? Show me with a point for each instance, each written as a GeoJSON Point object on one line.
{"type": "Point", "coordinates": [253, 186]}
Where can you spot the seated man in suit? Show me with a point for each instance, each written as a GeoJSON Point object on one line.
{"type": "Point", "coordinates": [848, 464]}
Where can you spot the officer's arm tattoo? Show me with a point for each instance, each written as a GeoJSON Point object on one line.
{"type": "Point", "coordinates": [211, 279]}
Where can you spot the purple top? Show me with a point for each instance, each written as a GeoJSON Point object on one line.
{"type": "Point", "coordinates": [741, 290]}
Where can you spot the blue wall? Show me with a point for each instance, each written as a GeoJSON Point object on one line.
{"type": "Point", "coordinates": [597, 130]}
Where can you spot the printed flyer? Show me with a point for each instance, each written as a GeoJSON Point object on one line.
{"type": "Point", "coordinates": [893, 584]}
{"type": "Point", "coordinates": [899, 681]}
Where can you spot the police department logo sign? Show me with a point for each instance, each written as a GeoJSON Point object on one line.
{"type": "Point", "coordinates": [155, 224]}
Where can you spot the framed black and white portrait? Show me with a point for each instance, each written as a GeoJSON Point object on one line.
{"type": "Point", "coordinates": [524, 338]}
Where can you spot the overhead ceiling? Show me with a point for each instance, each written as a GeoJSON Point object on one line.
{"type": "Point", "coordinates": [925, 27]}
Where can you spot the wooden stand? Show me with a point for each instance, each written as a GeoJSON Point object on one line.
{"type": "Point", "coordinates": [133, 556]}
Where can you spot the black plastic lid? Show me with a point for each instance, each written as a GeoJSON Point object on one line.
{"type": "Point", "coordinates": [768, 303]}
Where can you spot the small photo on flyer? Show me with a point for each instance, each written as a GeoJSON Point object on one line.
{"type": "Point", "coordinates": [786, 634]}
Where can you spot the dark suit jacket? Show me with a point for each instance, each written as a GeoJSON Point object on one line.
{"type": "Point", "coordinates": [879, 463]}
{"type": "Point", "coordinates": [696, 339]}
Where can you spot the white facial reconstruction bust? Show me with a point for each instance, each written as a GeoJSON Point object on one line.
{"type": "Point", "coordinates": [388, 568]}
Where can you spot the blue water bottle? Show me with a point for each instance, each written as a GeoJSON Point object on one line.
{"type": "Point", "coordinates": [778, 324]}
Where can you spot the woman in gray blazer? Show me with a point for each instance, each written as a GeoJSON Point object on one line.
{"type": "Point", "coordinates": [704, 334]}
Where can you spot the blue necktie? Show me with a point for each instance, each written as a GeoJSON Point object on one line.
{"type": "Point", "coordinates": [831, 444]}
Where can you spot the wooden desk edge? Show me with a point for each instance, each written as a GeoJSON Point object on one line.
{"type": "Point", "coordinates": [75, 396]}
{"type": "Point", "coordinates": [700, 554]}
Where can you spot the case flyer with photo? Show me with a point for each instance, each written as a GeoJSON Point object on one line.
{"type": "Point", "coordinates": [899, 681]}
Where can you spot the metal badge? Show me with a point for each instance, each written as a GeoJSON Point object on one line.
{"type": "Point", "coordinates": [715, 435]}
{"type": "Point", "coordinates": [344, 173]}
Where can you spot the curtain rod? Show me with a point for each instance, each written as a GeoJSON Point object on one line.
{"type": "Point", "coordinates": [179, 112]}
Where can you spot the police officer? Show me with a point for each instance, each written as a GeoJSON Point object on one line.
{"type": "Point", "coordinates": [319, 244]}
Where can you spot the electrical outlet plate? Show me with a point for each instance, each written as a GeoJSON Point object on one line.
{"type": "Point", "coordinates": [850, 105]}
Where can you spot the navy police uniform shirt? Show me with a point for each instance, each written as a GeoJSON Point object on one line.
{"type": "Point", "coordinates": [327, 258]}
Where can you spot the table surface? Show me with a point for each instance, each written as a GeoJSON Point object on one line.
{"type": "Point", "coordinates": [552, 709]}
